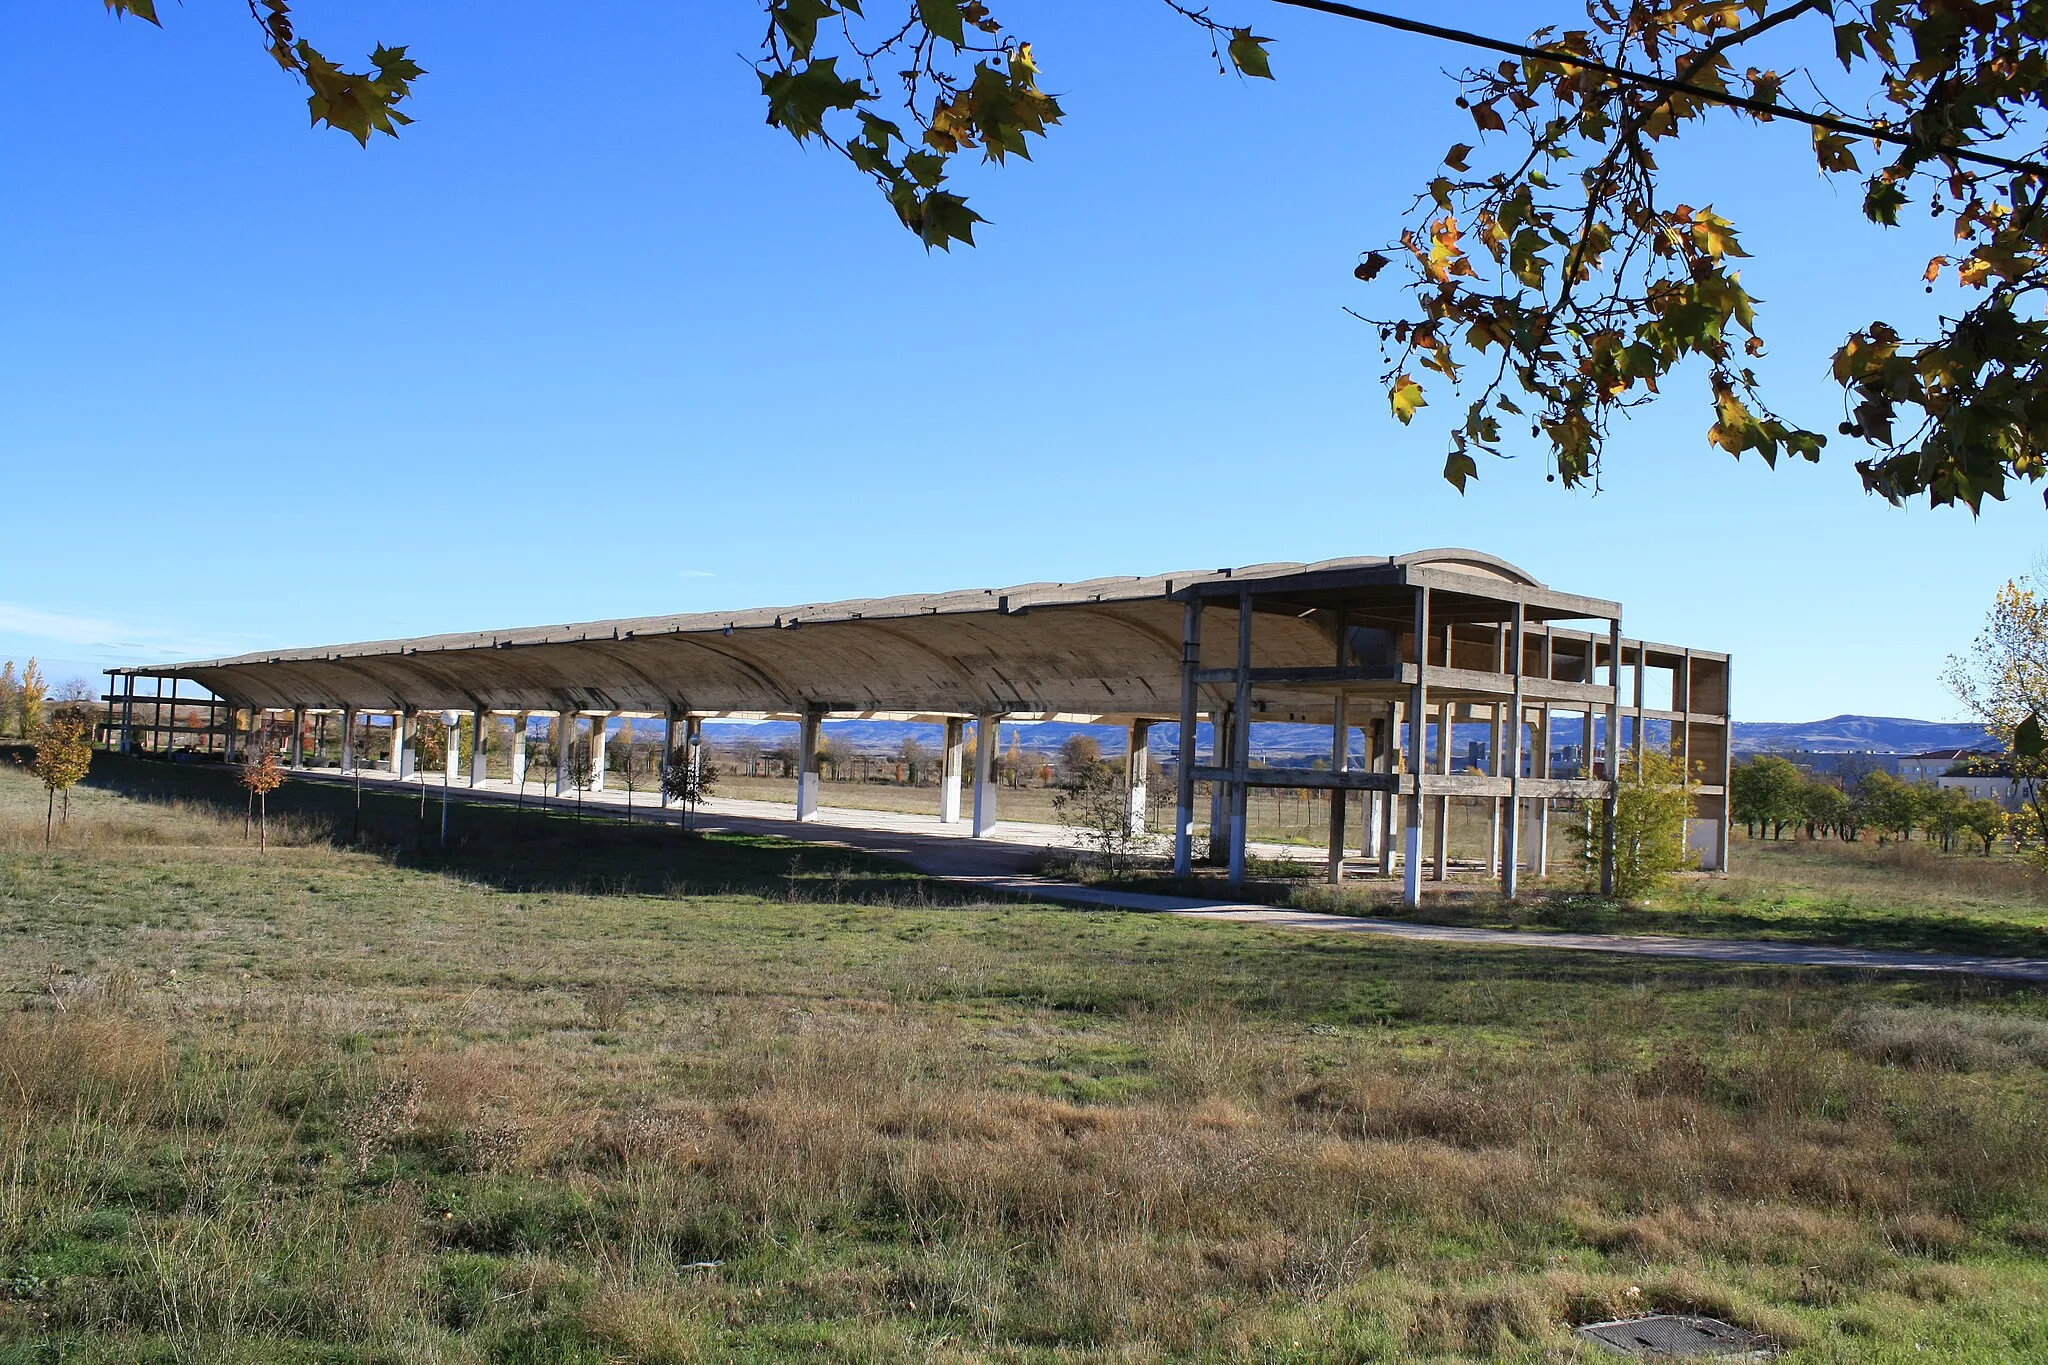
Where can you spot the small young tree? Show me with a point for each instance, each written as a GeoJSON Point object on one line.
{"type": "Point", "coordinates": [581, 775]}
{"type": "Point", "coordinates": [686, 784]}
{"type": "Point", "coordinates": [627, 763]}
{"type": "Point", "coordinates": [263, 777]}
{"type": "Point", "coordinates": [1095, 804]}
{"type": "Point", "coordinates": [1766, 794]}
{"type": "Point", "coordinates": [1824, 807]}
{"type": "Point", "coordinates": [1985, 819]}
{"type": "Point", "coordinates": [28, 704]}
{"type": "Point", "coordinates": [63, 754]}
{"type": "Point", "coordinates": [1653, 798]}
{"type": "Point", "coordinates": [10, 696]}
{"type": "Point", "coordinates": [1079, 754]}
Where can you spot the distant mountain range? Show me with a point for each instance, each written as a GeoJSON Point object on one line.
{"type": "Point", "coordinates": [1835, 735]}
{"type": "Point", "coordinates": [1856, 734]}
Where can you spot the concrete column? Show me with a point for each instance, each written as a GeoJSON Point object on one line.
{"type": "Point", "coordinates": [1221, 728]}
{"type": "Point", "coordinates": [1388, 805]}
{"type": "Point", "coordinates": [1539, 837]}
{"type": "Point", "coordinates": [600, 732]}
{"type": "Point", "coordinates": [1510, 862]}
{"type": "Point", "coordinates": [402, 732]}
{"type": "Point", "coordinates": [1418, 712]}
{"type": "Point", "coordinates": [807, 764]}
{"type": "Point", "coordinates": [519, 750]}
{"type": "Point", "coordinates": [1613, 754]}
{"type": "Point", "coordinates": [295, 752]}
{"type": "Point", "coordinates": [479, 762]}
{"type": "Point", "coordinates": [565, 752]}
{"type": "Point", "coordinates": [987, 736]}
{"type": "Point", "coordinates": [1137, 760]}
{"type": "Point", "coordinates": [348, 739]}
{"type": "Point", "coordinates": [1340, 761]}
{"type": "Point", "coordinates": [1241, 739]}
{"type": "Point", "coordinates": [1184, 776]}
{"type": "Point", "coordinates": [451, 749]}
{"type": "Point", "coordinates": [1443, 803]}
{"type": "Point", "coordinates": [668, 748]}
{"type": "Point", "coordinates": [952, 761]}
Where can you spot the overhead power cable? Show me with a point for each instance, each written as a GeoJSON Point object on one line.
{"type": "Point", "coordinates": [1665, 83]}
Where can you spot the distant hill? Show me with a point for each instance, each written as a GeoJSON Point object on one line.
{"type": "Point", "coordinates": [1855, 734]}
{"type": "Point", "coordinates": [1276, 742]}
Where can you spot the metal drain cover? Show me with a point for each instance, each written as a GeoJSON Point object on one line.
{"type": "Point", "coordinates": [1668, 1337]}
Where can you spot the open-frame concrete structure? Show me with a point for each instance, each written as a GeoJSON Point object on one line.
{"type": "Point", "coordinates": [1397, 649]}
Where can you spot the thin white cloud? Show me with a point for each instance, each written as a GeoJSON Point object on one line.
{"type": "Point", "coordinates": [695, 573]}
{"type": "Point", "coordinates": [115, 640]}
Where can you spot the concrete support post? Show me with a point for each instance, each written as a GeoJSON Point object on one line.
{"type": "Point", "coordinates": [518, 750]}
{"type": "Point", "coordinates": [987, 737]}
{"type": "Point", "coordinates": [479, 762]}
{"type": "Point", "coordinates": [1539, 839]}
{"type": "Point", "coordinates": [1137, 762]}
{"type": "Point", "coordinates": [1221, 727]}
{"type": "Point", "coordinates": [1340, 761]}
{"type": "Point", "coordinates": [451, 751]}
{"type": "Point", "coordinates": [295, 752]}
{"type": "Point", "coordinates": [668, 748]}
{"type": "Point", "coordinates": [1511, 855]}
{"type": "Point", "coordinates": [348, 739]}
{"type": "Point", "coordinates": [807, 764]}
{"type": "Point", "coordinates": [1727, 762]}
{"type": "Point", "coordinates": [951, 764]}
{"type": "Point", "coordinates": [565, 752]}
{"type": "Point", "coordinates": [1184, 776]}
{"type": "Point", "coordinates": [600, 736]}
{"type": "Point", "coordinates": [1607, 848]}
{"type": "Point", "coordinates": [1389, 803]}
{"type": "Point", "coordinates": [1418, 704]}
{"type": "Point", "coordinates": [1443, 765]}
{"type": "Point", "coordinates": [1241, 739]}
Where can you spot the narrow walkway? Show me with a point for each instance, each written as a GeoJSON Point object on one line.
{"type": "Point", "coordinates": [1004, 865]}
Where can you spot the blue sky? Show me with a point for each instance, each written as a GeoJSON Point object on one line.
{"type": "Point", "coordinates": [590, 340]}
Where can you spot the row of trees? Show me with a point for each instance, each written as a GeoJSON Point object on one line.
{"type": "Point", "coordinates": [24, 698]}
{"type": "Point", "coordinates": [1770, 795]}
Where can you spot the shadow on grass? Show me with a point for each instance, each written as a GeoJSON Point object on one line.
{"type": "Point", "coordinates": [541, 847]}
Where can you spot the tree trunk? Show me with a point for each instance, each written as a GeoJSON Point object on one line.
{"type": "Point", "coordinates": [263, 821]}
{"type": "Point", "coordinates": [49, 817]}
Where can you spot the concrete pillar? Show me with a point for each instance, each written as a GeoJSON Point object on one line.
{"type": "Point", "coordinates": [451, 750]}
{"type": "Point", "coordinates": [987, 736]}
{"type": "Point", "coordinates": [1510, 862]}
{"type": "Point", "coordinates": [1443, 803]}
{"type": "Point", "coordinates": [807, 764]}
{"type": "Point", "coordinates": [1539, 840]}
{"type": "Point", "coordinates": [479, 763]}
{"type": "Point", "coordinates": [565, 752]}
{"type": "Point", "coordinates": [402, 732]}
{"type": "Point", "coordinates": [519, 750]}
{"type": "Point", "coordinates": [295, 751]}
{"type": "Point", "coordinates": [950, 767]}
{"type": "Point", "coordinates": [1388, 805]}
{"type": "Point", "coordinates": [1241, 739]}
{"type": "Point", "coordinates": [348, 739]}
{"type": "Point", "coordinates": [1418, 712]}
{"type": "Point", "coordinates": [1340, 761]}
{"type": "Point", "coordinates": [668, 748]}
{"type": "Point", "coordinates": [1184, 776]}
{"type": "Point", "coordinates": [1613, 755]}
{"type": "Point", "coordinates": [1221, 728]}
{"type": "Point", "coordinates": [600, 733]}
{"type": "Point", "coordinates": [1137, 761]}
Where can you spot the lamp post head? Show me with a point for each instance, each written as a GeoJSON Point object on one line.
{"type": "Point", "coordinates": [451, 719]}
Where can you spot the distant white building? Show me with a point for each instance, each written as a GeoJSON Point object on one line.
{"type": "Point", "coordinates": [1935, 763]}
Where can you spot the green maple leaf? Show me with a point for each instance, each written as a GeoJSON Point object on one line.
{"type": "Point", "coordinates": [2027, 739]}
{"type": "Point", "coordinates": [798, 20]}
{"type": "Point", "coordinates": [799, 100]}
{"type": "Point", "coordinates": [944, 19]}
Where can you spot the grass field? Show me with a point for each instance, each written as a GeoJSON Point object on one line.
{"type": "Point", "coordinates": [585, 1093]}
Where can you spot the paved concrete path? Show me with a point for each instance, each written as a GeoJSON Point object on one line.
{"type": "Point", "coordinates": [1005, 865]}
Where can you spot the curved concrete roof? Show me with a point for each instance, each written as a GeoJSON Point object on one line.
{"type": "Point", "coordinates": [1106, 646]}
